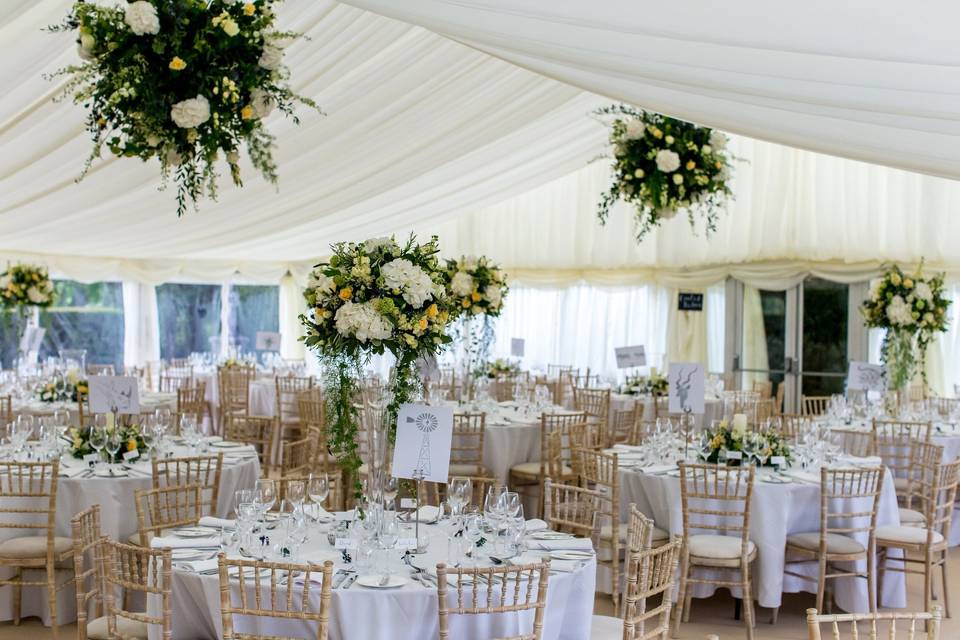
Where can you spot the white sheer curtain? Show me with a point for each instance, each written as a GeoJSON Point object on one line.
{"type": "Point", "coordinates": [582, 324]}
{"type": "Point", "coordinates": [716, 314]}
{"type": "Point", "coordinates": [141, 324]}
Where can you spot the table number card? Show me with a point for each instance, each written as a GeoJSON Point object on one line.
{"type": "Point", "coordinates": [867, 377]}
{"type": "Point", "coordinates": [686, 387]}
{"type": "Point", "coordinates": [517, 347]}
{"type": "Point", "coordinates": [424, 437]}
{"type": "Point", "coordinates": [107, 392]}
{"type": "Point", "coordinates": [268, 341]}
{"type": "Point", "coordinates": [629, 357]}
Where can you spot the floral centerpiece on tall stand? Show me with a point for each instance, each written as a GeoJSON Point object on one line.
{"type": "Point", "coordinates": [24, 290]}
{"type": "Point", "coordinates": [477, 288]}
{"type": "Point", "coordinates": [371, 298]}
{"type": "Point", "coordinates": [912, 310]}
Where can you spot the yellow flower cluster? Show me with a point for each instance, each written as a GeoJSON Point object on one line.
{"type": "Point", "coordinates": [227, 23]}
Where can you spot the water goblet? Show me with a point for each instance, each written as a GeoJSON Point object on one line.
{"type": "Point", "coordinates": [318, 488]}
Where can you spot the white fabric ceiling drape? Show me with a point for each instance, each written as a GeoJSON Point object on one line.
{"type": "Point", "coordinates": [865, 79]}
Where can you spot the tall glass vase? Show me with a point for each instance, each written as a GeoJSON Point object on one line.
{"type": "Point", "coordinates": [378, 421]}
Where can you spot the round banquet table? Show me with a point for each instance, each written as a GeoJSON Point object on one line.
{"type": "Point", "coordinates": [408, 612]}
{"type": "Point", "coordinates": [511, 437]}
{"type": "Point", "coordinates": [118, 516]}
{"type": "Point", "coordinates": [713, 407]}
{"type": "Point", "coordinates": [777, 510]}
{"type": "Point", "coordinates": [150, 401]}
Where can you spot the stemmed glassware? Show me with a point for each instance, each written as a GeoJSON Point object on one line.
{"type": "Point", "coordinates": [98, 439]}
{"type": "Point", "coordinates": [318, 488]}
{"type": "Point", "coordinates": [387, 538]}
{"type": "Point", "coordinates": [266, 495]}
{"type": "Point", "coordinates": [390, 489]}
{"type": "Point", "coordinates": [113, 444]}
{"type": "Point", "coordinates": [458, 493]}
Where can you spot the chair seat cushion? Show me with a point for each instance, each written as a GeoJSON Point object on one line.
{"type": "Point", "coordinates": [911, 517]}
{"type": "Point", "coordinates": [606, 532]}
{"type": "Point", "coordinates": [721, 550]}
{"type": "Point", "coordinates": [605, 628]}
{"type": "Point", "coordinates": [836, 543]}
{"type": "Point", "coordinates": [97, 628]}
{"type": "Point", "coordinates": [908, 535]}
{"type": "Point", "coordinates": [33, 546]}
{"type": "Point", "coordinates": [533, 469]}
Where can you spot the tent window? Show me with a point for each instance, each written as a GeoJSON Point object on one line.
{"type": "Point", "coordinates": [253, 308]}
{"type": "Point", "coordinates": [189, 316]}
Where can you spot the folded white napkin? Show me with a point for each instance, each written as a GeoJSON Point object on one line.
{"type": "Point", "coordinates": [429, 513]}
{"type": "Point", "coordinates": [199, 566]}
{"type": "Point", "coordinates": [658, 468]}
{"type": "Point", "coordinates": [579, 544]}
{"type": "Point", "coordinates": [564, 566]}
{"type": "Point", "coordinates": [72, 471]}
{"type": "Point", "coordinates": [160, 542]}
{"type": "Point", "coordinates": [217, 523]}
{"type": "Point", "coordinates": [535, 524]}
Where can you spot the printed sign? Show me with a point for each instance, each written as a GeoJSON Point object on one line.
{"type": "Point", "coordinates": [686, 387]}
{"type": "Point", "coordinates": [517, 346]}
{"type": "Point", "coordinates": [867, 377]}
{"type": "Point", "coordinates": [268, 341]}
{"type": "Point", "coordinates": [114, 392]}
{"type": "Point", "coordinates": [424, 438]}
{"type": "Point", "coordinates": [629, 357]}
{"type": "Point", "coordinates": [690, 301]}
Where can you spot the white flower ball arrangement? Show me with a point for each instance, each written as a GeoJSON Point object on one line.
{"type": "Point", "coordinates": [186, 82]}
{"type": "Point", "coordinates": [477, 286]}
{"type": "Point", "coordinates": [662, 165]}
{"type": "Point", "coordinates": [24, 285]}
{"type": "Point", "coordinates": [912, 309]}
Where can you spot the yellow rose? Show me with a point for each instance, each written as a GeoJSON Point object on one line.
{"type": "Point", "coordinates": [345, 293]}
{"type": "Point", "coordinates": [132, 444]}
{"type": "Point", "coordinates": [177, 64]}
{"type": "Point", "coordinates": [249, 9]}
{"type": "Point", "coordinates": [432, 311]}
{"type": "Point", "coordinates": [466, 303]}
{"type": "Point", "coordinates": [475, 296]}
{"type": "Point", "coordinates": [230, 27]}
{"type": "Point", "coordinates": [247, 112]}
{"type": "Point", "coordinates": [423, 323]}
{"type": "Point", "coordinates": [690, 165]}
{"type": "Point", "coordinates": [908, 283]}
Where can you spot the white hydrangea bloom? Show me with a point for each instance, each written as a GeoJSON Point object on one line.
{"type": "Point", "coordinates": [373, 244]}
{"type": "Point", "coordinates": [141, 17]}
{"type": "Point", "coordinates": [923, 291]}
{"type": "Point", "coordinates": [899, 312]}
{"type": "Point", "coordinates": [493, 294]}
{"type": "Point", "coordinates": [262, 103]}
{"type": "Point", "coordinates": [412, 281]}
{"type": "Point", "coordinates": [191, 113]}
{"type": "Point", "coordinates": [717, 140]}
{"type": "Point", "coordinates": [36, 296]}
{"type": "Point", "coordinates": [668, 161]}
{"type": "Point", "coordinates": [634, 130]}
{"type": "Point", "coordinates": [320, 282]}
{"type": "Point", "coordinates": [461, 283]}
{"type": "Point", "coordinates": [362, 321]}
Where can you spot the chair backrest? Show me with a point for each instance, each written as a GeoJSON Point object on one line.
{"type": "Point", "coordinates": [234, 389]}
{"type": "Point", "coordinates": [763, 387]}
{"type": "Point", "coordinates": [566, 424]}
{"type": "Point", "coordinates": [814, 405]}
{"type": "Point", "coordinates": [854, 442]}
{"type": "Point", "coordinates": [274, 590]}
{"type": "Point", "coordinates": [623, 423]}
{"type": "Point", "coordinates": [650, 573]}
{"type": "Point", "coordinates": [600, 471]}
{"type": "Point", "coordinates": [167, 508]}
{"type": "Point", "coordinates": [865, 625]}
{"type": "Point", "coordinates": [848, 503]}
{"type": "Point", "coordinates": [258, 431]}
{"type": "Point", "coordinates": [297, 459]}
{"type": "Point", "coordinates": [192, 400]}
{"type": "Point", "coordinates": [129, 568]}
{"type": "Point", "coordinates": [467, 445]}
{"type": "Point", "coordinates": [894, 441]}
{"type": "Point", "coordinates": [6, 409]}
{"type": "Point", "coordinates": [716, 500]}
{"type": "Point", "coordinates": [205, 471]}
{"type": "Point", "coordinates": [935, 486]}
{"type": "Point", "coordinates": [289, 389]}
{"type": "Point", "coordinates": [504, 385]}
{"type": "Point", "coordinates": [88, 574]}
{"type": "Point", "coordinates": [494, 590]}
{"type": "Point", "coordinates": [572, 509]}
{"type": "Point", "coordinates": [792, 425]}
{"type": "Point", "coordinates": [566, 379]}
{"type": "Point", "coordinates": [639, 530]}
{"type": "Point", "coordinates": [172, 378]}
{"type": "Point", "coordinates": [28, 499]}
{"type": "Point", "coordinates": [594, 402]}
{"type": "Point", "coordinates": [312, 409]}
{"type": "Point", "coordinates": [101, 370]}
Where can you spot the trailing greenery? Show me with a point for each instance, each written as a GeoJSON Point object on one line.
{"type": "Point", "coordinates": [183, 81]}
{"type": "Point", "coordinates": [662, 165]}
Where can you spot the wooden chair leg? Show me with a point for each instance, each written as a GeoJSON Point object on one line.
{"type": "Point", "coordinates": [747, 604]}
{"type": "Point", "coordinates": [927, 584]}
{"type": "Point", "coordinates": [774, 614]}
{"type": "Point", "coordinates": [682, 594]}
{"type": "Point", "coordinates": [52, 600]}
{"type": "Point", "coordinates": [821, 584]}
{"type": "Point", "coordinates": [943, 574]}
{"type": "Point", "coordinates": [17, 596]}
{"type": "Point", "coordinates": [881, 565]}
{"type": "Point", "coordinates": [871, 585]}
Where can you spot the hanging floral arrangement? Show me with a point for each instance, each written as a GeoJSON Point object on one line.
{"type": "Point", "coordinates": [662, 165]}
{"type": "Point", "coordinates": [477, 288]}
{"type": "Point", "coordinates": [913, 310]}
{"type": "Point", "coordinates": [187, 82]}
{"type": "Point", "coordinates": [370, 298]}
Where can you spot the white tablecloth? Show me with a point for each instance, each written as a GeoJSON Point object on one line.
{"type": "Point", "coordinates": [149, 401]}
{"type": "Point", "coordinates": [777, 510]}
{"type": "Point", "coordinates": [118, 519]}
{"type": "Point", "coordinates": [405, 613]}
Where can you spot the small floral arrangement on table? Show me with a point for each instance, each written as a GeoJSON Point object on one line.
{"type": "Point", "coordinates": [912, 309]}
{"type": "Point", "coordinates": [183, 81]}
{"type": "Point", "coordinates": [764, 444]}
{"type": "Point", "coordinates": [655, 384]}
{"type": "Point", "coordinates": [662, 165]}
{"type": "Point", "coordinates": [500, 367]}
{"type": "Point", "coordinates": [73, 391]}
{"type": "Point", "coordinates": [26, 285]}
{"type": "Point", "coordinates": [131, 436]}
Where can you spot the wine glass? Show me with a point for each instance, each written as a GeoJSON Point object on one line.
{"type": "Point", "coordinates": [473, 525]}
{"type": "Point", "coordinates": [97, 440]}
{"type": "Point", "coordinates": [61, 417]}
{"type": "Point", "coordinates": [318, 488]}
{"type": "Point", "coordinates": [387, 538]}
{"type": "Point", "coordinates": [114, 441]}
{"type": "Point", "coordinates": [163, 419]}
{"type": "Point", "coordinates": [510, 506]}
{"type": "Point", "coordinates": [266, 494]}
{"type": "Point", "coordinates": [390, 489]}
{"type": "Point", "coordinates": [296, 491]}
{"type": "Point", "coordinates": [460, 490]}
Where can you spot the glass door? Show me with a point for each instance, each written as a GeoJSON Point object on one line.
{"type": "Point", "coordinates": [766, 343]}
{"type": "Point", "coordinates": [825, 320]}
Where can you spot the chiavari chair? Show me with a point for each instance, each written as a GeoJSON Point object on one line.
{"type": "Point", "coordinates": [848, 507]}
{"type": "Point", "coordinates": [87, 572]}
{"type": "Point", "coordinates": [258, 431]}
{"type": "Point", "coordinates": [288, 390]}
{"type": "Point", "coordinates": [273, 590]}
{"type": "Point", "coordinates": [894, 441]}
{"type": "Point", "coordinates": [527, 475]}
{"type": "Point", "coordinates": [234, 388]}
{"type": "Point", "coordinates": [814, 405]}
{"type": "Point", "coordinates": [205, 471]}
{"type": "Point", "coordinates": [566, 379]}
{"type": "Point", "coordinates": [792, 425]}
{"type": "Point", "coordinates": [570, 508]}
{"type": "Point", "coordinates": [870, 627]}
{"type": "Point", "coordinates": [28, 502]}
{"type": "Point", "coordinates": [297, 458]}
{"type": "Point", "coordinates": [854, 442]}
{"type": "Point", "coordinates": [763, 387]}
{"type": "Point", "coordinates": [929, 539]}
{"type": "Point", "coordinates": [435, 493]}
{"type": "Point", "coordinates": [916, 492]}
{"type": "Point", "coordinates": [641, 431]}
{"type": "Point", "coordinates": [600, 472]}
{"type": "Point", "coordinates": [192, 400]}
{"type": "Point", "coordinates": [623, 422]}
{"type": "Point", "coordinates": [494, 590]}
{"type": "Point", "coordinates": [716, 501]}
{"type": "Point", "coordinates": [132, 569]}
{"type": "Point", "coordinates": [596, 404]}
{"type": "Point", "coordinates": [172, 378]}
{"type": "Point", "coordinates": [166, 508]}
{"type": "Point", "coordinates": [466, 450]}
{"type": "Point", "coordinates": [642, 532]}
{"type": "Point", "coordinates": [945, 407]}
{"type": "Point", "coordinates": [6, 409]}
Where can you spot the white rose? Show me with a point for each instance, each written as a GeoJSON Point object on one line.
{"type": "Point", "coordinates": [677, 178]}
{"type": "Point", "coordinates": [35, 296]}
{"type": "Point", "coordinates": [190, 113]}
{"type": "Point", "coordinates": [667, 160]}
{"type": "Point", "coordinates": [706, 149]}
{"type": "Point", "coordinates": [462, 283]}
{"type": "Point", "coordinates": [923, 291]}
{"type": "Point", "coordinates": [373, 244]}
{"type": "Point", "coordinates": [320, 282]}
{"type": "Point", "coordinates": [5, 281]}
{"type": "Point", "coordinates": [141, 17]}
{"type": "Point", "coordinates": [634, 130]}
{"type": "Point", "coordinates": [717, 140]}
{"type": "Point", "coordinates": [153, 139]}
{"type": "Point", "coordinates": [271, 58]}
{"type": "Point", "coordinates": [493, 295]}
{"type": "Point", "coordinates": [262, 103]}
{"type": "Point", "coordinates": [469, 263]}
